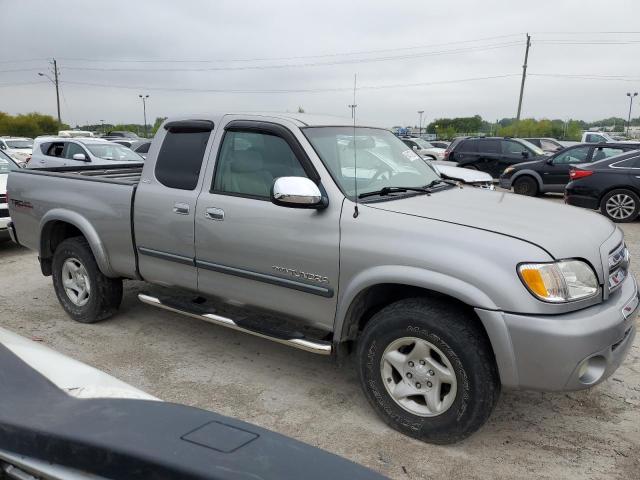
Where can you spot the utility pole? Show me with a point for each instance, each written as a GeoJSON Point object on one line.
{"type": "Point", "coordinates": [420, 112]}
{"type": "Point", "coordinates": [524, 75]}
{"type": "Point", "coordinates": [55, 83]}
{"type": "Point", "coordinates": [144, 110]}
{"type": "Point", "coordinates": [55, 76]}
{"type": "Point", "coordinates": [630, 105]}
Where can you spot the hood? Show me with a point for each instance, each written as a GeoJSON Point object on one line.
{"type": "Point", "coordinates": [463, 174]}
{"type": "Point", "coordinates": [562, 230]}
{"type": "Point", "coordinates": [530, 163]}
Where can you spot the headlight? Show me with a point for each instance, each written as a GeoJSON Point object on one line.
{"type": "Point", "coordinates": [508, 170]}
{"type": "Point", "coordinates": [558, 282]}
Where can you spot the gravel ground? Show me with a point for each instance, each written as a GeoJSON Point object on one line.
{"type": "Point", "coordinates": [589, 434]}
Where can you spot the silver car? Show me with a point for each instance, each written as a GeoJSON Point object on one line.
{"type": "Point", "coordinates": [69, 152]}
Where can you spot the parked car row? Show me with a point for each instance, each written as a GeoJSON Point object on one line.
{"type": "Point", "coordinates": [7, 164]}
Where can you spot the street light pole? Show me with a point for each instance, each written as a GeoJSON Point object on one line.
{"type": "Point", "coordinates": [630, 105]}
{"type": "Point", "coordinates": [420, 112]}
{"type": "Point", "coordinates": [144, 110]}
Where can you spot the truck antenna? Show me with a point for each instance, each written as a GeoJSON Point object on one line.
{"type": "Point", "coordinates": [355, 156]}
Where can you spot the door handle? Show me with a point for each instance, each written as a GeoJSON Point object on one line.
{"type": "Point", "coordinates": [181, 208]}
{"type": "Point", "coordinates": [214, 214]}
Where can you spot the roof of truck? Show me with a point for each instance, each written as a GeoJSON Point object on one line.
{"type": "Point", "coordinates": [301, 119]}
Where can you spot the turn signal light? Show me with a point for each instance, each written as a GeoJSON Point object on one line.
{"type": "Point", "coordinates": [576, 174]}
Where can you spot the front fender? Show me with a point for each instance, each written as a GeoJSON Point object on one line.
{"type": "Point", "coordinates": [410, 276]}
{"type": "Point", "coordinates": [82, 224]}
{"type": "Point", "coordinates": [531, 173]}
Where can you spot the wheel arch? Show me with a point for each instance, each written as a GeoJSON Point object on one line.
{"type": "Point", "coordinates": [59, 224]}
{"type": "Point", "coordinates": [530, 173]}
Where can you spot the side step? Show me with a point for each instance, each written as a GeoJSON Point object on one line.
{"type": "Point", "coordinates": [295, 339]}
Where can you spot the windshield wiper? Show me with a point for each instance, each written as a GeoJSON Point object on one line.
{"type": "Point", "coordinates": [387, 190]}
{"type": "Point", "coordinates": [443, 180]}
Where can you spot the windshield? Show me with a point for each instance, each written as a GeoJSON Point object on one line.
{"type": "Point", "coordinates": [19, 143]}
{"type": "Point", "coordinates": [6, 165]}
{"type": "Point", "coordinates": [113, 151]}
{"type": "Point", "coordinates": [423, 143]}
{"type": "Point", "coordinates": [382, 159]}
{"type": "Point", "coordinates": [536, 150]}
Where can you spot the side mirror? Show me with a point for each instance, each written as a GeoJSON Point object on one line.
{"type": "Point", "coordinates": [80, 156]}
{"type": "Point", "coordinates": [550, 161]}
{"type": "Point", "coordinates": [525, 154]}
{"type": "Point", "coordinates": [415, 147]}
{"type": "Point", "coordinates": [297, 192]}
{"type": "Point", "coordinates": [3, 146]}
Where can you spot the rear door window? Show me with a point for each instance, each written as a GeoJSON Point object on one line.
{"type": "Point", "coordinates": [468, 146]}
{"type": "Point", "coordinates": [55, 149]}
{"type": "Point", "coordinates": [489, 146]}
{"type": "Point", "coordinates": [180, 157]}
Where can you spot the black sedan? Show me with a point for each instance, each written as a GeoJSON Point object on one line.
{"type": "Point", "coordinates": [551, 174]}
{"type": "Point", "coordinates": [611, 186]}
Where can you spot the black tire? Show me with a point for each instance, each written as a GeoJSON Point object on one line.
{"type": "Point", "coordinates": [634, 206]}
{"type": "Point", "coordinates": [464, 343]}
{"type": "Point", "coordinates": [525, 185]}
{"type": "Point", "coordinates": [105, 293]}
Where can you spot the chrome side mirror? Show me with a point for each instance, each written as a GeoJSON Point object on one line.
{"type": "Point", "coordinates": [297, 192]}
{"type": "Point", "coordinates": [80, 156]}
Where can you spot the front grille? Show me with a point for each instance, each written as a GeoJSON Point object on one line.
{"type": "Point", "coordinates": [618, 266]}
{"type": "Point", "coordinates": [4, 212]}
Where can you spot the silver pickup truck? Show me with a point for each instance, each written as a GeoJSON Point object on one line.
{"type": "Point", "coordinates": [286, 227]}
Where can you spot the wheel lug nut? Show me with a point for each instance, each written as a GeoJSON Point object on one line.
{"type": "Point", "coordinates": [409, 375]}
{"type": "Point", "coordinates": [432, 373]}
{"type": "Point", "coordinates": [422, 362]}
{"type": "Point", "coordinates": [410, 363]}
{"type": "Point", "coordinates": [429, 384]}
{"type": "Point", "coordinates": [418, 385]}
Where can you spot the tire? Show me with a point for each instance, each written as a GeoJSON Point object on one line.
{"type": "Point", "coordinates": [461, 347]}
{"type": "Point", "coordinates": [103, 294]}
{"type": "Point", "coordinates": [526, 185]}
{"type": "Point", "coordinates": [620, 206]}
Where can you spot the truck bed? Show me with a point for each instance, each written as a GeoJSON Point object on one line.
{"type": "Point", "coordinates": [96, 200]}
{"type": "Point", "coordinates": [118, 173]}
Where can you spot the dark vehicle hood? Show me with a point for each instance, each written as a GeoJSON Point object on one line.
{"type": "Point", "coordinates": [539, 160]}
{"type": "Point", "coordinates": [561, 230]}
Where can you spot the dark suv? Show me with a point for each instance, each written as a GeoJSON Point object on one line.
{"type": "Point", "coordinates": [491, 154]}
{"type": "Point", "coordinates": [551, 174]}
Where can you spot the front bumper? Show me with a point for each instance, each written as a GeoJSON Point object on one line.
{"type": "Point", "coordinates": [546, 352]}
{"type": "Point", "coordinates": [4, 227]}
{"type": "Point", "coordinates": [505, 183]}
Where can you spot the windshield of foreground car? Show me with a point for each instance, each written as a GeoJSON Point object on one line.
{"type": "Point", "coordinates": [382, 159]}
{"type": "Point", "coordinates": [115, 152]}
{"type": "Point", "coordinates": [19, 143]}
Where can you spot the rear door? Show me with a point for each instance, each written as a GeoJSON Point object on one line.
{"type": "Point", "coordinates": [165, 204]}
{"type": "Point", "coordinates": [489, 156]}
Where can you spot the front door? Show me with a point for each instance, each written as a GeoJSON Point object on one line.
{"type": "Point", "coordinates": [252, 252]}
{"type": "Point", "coordinates": [555, 175]}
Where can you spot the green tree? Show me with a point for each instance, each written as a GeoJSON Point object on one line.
{"type": "Point", "coordinates": [29, 125]}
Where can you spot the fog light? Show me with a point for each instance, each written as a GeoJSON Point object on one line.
{"type": "Point", "coordinates": [592, 369]}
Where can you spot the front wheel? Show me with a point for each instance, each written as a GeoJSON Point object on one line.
{"type": "Point", "coordinates": [84, 292]}
{"type": "Point", "coordinates": [526, 185]}
{"type": "Point", "coordinates": [428, 370]}
{"type": "Point", "coordinates": [621, 206]}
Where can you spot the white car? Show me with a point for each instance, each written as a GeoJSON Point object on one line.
{"type": "Point", "coordinates": [6, 165]}
{"type": "Point", "coordinates": [18, 148]}
{"type": "Point", "coordinates": [424, 148]}
{"type": "Point", "coordinates": [78, 151]}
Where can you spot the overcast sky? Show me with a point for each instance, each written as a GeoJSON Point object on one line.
{"type": "Point", "coordinates": [213, 45]}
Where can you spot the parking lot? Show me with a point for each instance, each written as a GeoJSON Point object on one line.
{"type": "Point", "coordinates": [588, 434]}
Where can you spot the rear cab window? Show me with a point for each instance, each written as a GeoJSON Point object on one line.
{"type": "Point", "coordinates": [182, 152]}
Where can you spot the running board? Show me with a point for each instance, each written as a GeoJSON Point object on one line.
{"type": "Point", "coordinates": [320, 347]}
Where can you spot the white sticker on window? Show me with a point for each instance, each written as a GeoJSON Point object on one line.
{"type": "Point", "coordinates": [410, 155]}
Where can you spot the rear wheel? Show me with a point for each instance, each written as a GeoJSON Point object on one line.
{"type": "Point", "coordinates": [525, 185]}
{"type": "Point", "coordinates": [84, 292]}
{"type": "Point", "coordinates": [428, 370]}
{"type": "Point", "coordinates": [621, 206]}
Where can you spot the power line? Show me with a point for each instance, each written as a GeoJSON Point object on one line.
{"type": "Point", "coordinates": [276, 91]}
{"type": "Point", "coordinates": [299, 65]}
{"type": "Point", "coordinates": [20, 70]}
{"type": "Point", "coordinates": [615, 78]}
{"type": "Point", "coordinates": [299, 57]}
{"type": "Point", "coordinates": [19, 84]}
